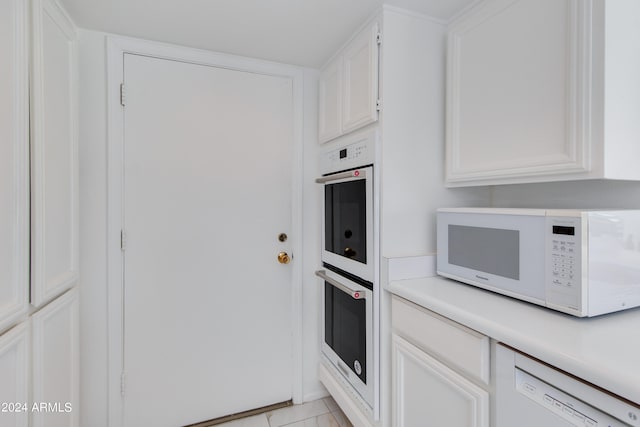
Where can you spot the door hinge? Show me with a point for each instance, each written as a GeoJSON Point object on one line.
{"type": "Point", "coordinates": [122, 378]}
{"type": "Point", "coordinates": [122, 94]}
{"type": "Point", "coordinates": [379, 37]}
{"type": "Point", "coordinates": [123, 240]}
{"type": "Point", "coordinates": [378, 105]}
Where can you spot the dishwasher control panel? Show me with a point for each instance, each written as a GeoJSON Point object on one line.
{"type": "Point", "coordinates": [567, 407]}
{"type": "Point", "coordinates": [532, 393]}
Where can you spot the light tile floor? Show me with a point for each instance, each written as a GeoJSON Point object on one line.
{"type": "Point", "coordinates": [319, 413]}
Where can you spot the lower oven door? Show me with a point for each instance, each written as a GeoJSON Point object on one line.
{"type": "Point", "coordinates": [347, 331]}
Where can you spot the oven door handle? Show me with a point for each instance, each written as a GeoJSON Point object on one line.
{"type": "Point", "coordinates": [354, 294]}
{"type": "Point", "coordinates": [358, 173]}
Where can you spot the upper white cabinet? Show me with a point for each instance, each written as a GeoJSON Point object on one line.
{"type": "Point", "coordinates": [330, 101]}
{"type": "Point", "coordinates": [543, 90]}
{"type": "Point", "coordinates": [14, 162]}
{"type": "Point", "coordinates": [54, 185]}
{"type": "Point", "coordinates": [348, 87]}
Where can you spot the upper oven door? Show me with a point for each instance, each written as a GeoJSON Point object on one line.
{"type": "Point", "coordinates": [347, 225]}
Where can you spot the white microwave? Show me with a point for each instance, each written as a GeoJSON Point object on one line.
{"type": "Point", "coordinates": [581, 262]}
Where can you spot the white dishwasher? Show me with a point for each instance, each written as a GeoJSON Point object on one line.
{"type": "Point", "coordinates": [530, 393]}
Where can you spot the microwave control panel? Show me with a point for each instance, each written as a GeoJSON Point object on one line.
{"type": "Point", "coordinates": [360, 152]}
{"type": "Point", "coordinates": [564, 261]}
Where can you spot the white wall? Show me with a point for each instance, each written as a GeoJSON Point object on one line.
{"type": "Point", "coordinates": [93, 233]}
{"type": "Point", "coordinates": [577, 194]}
{"type": "Point", "coordinates": [412, 122]}
{"type": "Point", "coordinates": [311, 292]}
{"type": "Point", "coordinates": [92, 143]}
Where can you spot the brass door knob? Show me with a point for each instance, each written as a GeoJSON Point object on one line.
{"type": "Point", "coordinates": [283, 258]}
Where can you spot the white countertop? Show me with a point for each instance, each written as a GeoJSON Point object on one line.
{"type": "Point", "coordinates": [604, 350]}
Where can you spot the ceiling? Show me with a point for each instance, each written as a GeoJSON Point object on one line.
{"type": "Point", "coordinates": [299, 32]}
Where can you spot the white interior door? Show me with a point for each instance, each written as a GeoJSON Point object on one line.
{"type": "Point", "coordinates": [207, 190]}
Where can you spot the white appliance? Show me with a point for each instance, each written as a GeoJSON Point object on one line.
{"type": "Point", "coordinates": [347, 217]}
{"type": "Point", "coordinates": [581, 262]}
{"type": "Point", "coordinates": [347, 330]}
{"type": "Point", "coordinates": [532, 394]}
{"type": "Point", "coordinates": [350, 304]}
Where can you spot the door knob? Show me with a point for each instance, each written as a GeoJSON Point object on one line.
{"type": "Point", "coordinates": [283, 258]}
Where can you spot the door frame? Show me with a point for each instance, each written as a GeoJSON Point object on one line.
{"type": "Point", "coordinates": [117, 47]}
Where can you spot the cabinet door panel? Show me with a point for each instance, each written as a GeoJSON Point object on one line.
{"type": "Point", "coordinates": [361, 80]}
{"type": "Point", "coordinates": [330, 101]}
{"type": "Point", "coordinates": [516, 100]}
{"type": "Point", "coordinates": [56, 362]}
{"type": "Point", "coordinates": [427, 393]}
{"type": "Point", "coordinates": [14, 372]}
{"type": "Point", "coordinates": [14, 163]}
{"type": "Point", "coordinates": [54, 154]}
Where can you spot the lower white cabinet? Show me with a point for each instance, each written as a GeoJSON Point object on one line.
{"type": "Point", "coordinates": [55, 392]}
{"type": "Point", "coordinates": [440, 370]}
{"type": "Point", "coordinates": [428, 393]}
{"type": "Point", "coordinates": [14, 377]}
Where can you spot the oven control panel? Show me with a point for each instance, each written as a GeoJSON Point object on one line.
{"type": "Point", "coordinates": [359, 151]}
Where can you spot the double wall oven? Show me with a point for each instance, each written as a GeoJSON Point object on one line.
{"type": "Point", "coordinates": [349, 263]}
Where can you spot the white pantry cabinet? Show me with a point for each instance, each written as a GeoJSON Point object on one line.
{"type": "Point", "coordinates": [38, 159]}
{"type": "Point", "coordinates": [56, 362]}
{"type": "Point", "coordinates": [54, 172]}
{"type": "Point", "coordinates": [543, 90]}
{"type": "Point", "coordinates": [14, 372]}
{"type": "Point", "coordinates": [348, 86]}
{"type": "Point", "coordinates": [14, 162]}
{"type": "Point", "coordinates": [440, 370]}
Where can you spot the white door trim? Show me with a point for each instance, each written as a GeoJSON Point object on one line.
{"type": "Point", "coordinates": [117, 47]}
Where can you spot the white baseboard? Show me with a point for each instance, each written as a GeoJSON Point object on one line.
{"type": "Point", "coordinates": [319, 393]}
{"type": "Point", "coordinates": [343, 398]}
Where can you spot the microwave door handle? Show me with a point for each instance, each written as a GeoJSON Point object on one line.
{"type": "Point", "coordinates": [354, 294]}
{"type": "Point", "coordinates": [358, 173]}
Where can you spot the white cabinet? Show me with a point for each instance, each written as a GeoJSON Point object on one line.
{"type": "Point", "coordinates": [440, 370]}
{"type": "Point", "coordinates": [56, 362]}
{"type": "Point", "coordinates": [348, 87]}
{"type": "Point", "coordinates": [14, 372]}
{"type": "Point", "coordinates": [43, 370]}
{"type": "Point", "coordinates": [427, 392]}
{"type": "Point", "coordinates": [528, 98]}
{"type": "Point", "coordinates": [54, 179]}
{"type": "Point", "coordinates": [330, 101]}
{"type": "Point", "coordinates": [14, 163]}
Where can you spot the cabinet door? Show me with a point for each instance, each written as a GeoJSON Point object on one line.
{"type": "Point", "coordinates": [360, 92]}
{"type": "Point", "coordinates": [518, 94]}
{"type": "Point", "coordinates": [428, 393]}
{"type": "Point", "coordinates": [54, 154]}
{"type": "Point", "coordinates": [14, 373]}
{"type": "Point", "coordinates": [56, 363]}
{"type": "Point", "coordinates": [330, 101]}
{"type": "Point", "coordinates": [14, 163]}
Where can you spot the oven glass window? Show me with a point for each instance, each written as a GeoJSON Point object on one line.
{"type": "Point", "coordinates": [346, 219]}
{"type": "Point", "coordinates": [346, 329]}
{"type": "Point", "coordinates": [468, 248]}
